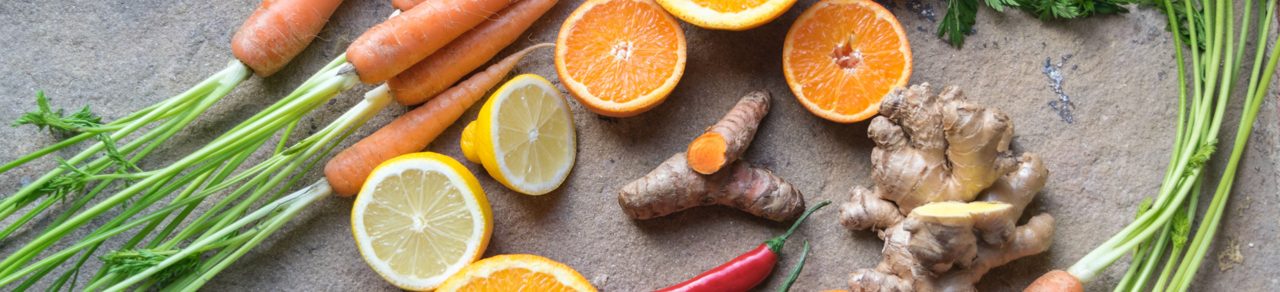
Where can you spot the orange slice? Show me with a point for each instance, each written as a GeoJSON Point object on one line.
{"type": "Point", "coordinates": [842, 56]}
{"type": "Point", "coordinates": [727, 14]}
{"type": "Point", "coordinates": [620, 58]}
{"type": "Point", "coordinates": [517, 272]}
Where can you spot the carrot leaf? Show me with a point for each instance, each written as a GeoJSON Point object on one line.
{"type": "Point", "coordinates": [58, 122]}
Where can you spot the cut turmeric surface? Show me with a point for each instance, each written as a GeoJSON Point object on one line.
{"type": "Point", "coordinates": [724, 142]}
{"type": "Point", "coordinates": [948, 193]}
{"type": "Point", "coordinates": [711, 173]}
{"type": "Point", "coordinates": [673, 186]}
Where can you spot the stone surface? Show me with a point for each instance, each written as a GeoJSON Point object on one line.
{"type": "Point", "coordinates": [118, 56]}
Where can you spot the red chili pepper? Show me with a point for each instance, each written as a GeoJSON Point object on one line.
{"type": "Point", "coordinates": [747, 270]}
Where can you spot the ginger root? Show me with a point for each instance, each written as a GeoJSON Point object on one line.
{"type": "Point", "coordinates": [725, 141]}
{"type": "Point", "coordinates": [948, 194]}
{"type": "Point", "coordinates": [721, 178]}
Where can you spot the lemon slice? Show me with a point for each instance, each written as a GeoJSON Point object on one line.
{"type": "Point", "coordinates": [524, 136]}
{"type": "Point", "coordinates": [517, 272]}
{"type": "Point", "coordinates": [419, 219]}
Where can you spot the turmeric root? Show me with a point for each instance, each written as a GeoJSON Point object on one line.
{"type": "Point", "coordinates": [725, 141]}
{"type": "Point", "coordinates": [948, 193]}
{"type": "Point", "coordinates": [673, 186]}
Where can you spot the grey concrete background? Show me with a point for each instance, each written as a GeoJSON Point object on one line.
{"type": "Point", "coordinates": [118, 56]}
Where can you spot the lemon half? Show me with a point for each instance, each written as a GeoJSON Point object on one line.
{"type": "Point", "coordinates": [524, 136]}
{"type": "Point", "coordinates": [419, 219]}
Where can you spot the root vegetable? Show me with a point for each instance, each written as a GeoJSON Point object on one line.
{"type": "Point", "coordinates": [415, 129]}
{"type": "Point", "coordinates": [396, 44]}
{"type": "Point", "coordinates": [405, 4]}
{"type": "Point", "coordinates": [1056, 281]}
{"type": "Point", "coordinates": [278, 30]}
{"type": "Point", "coordinates": [673, 187]}
{"type": "Point", "coordinates": [946, 164]}
{"type": "Point", "coordinates": [446, 66]}
{"type": "Point", "coordinates": [916, 161]}
{"type": "Point", "coordinates": [724, 142]}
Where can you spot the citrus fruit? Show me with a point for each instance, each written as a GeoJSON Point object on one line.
{"type": "Point", "coordinates": [620, 58]}
{"type": "Point", "coordinates": [517, 272]}
{"type": "Point", "coordinates": [524, 136]}
{"type": "Point", "coordinates": [842, 56]}
{"type": "Point", "coordinates": [420, 218]}
{"type": "Point", "coordinates": [727, 14]}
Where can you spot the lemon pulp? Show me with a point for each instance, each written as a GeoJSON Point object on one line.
{"type": "Point", "coordinates": [418, 220]}
{"type": "Point", "coordinates": [524, 136]}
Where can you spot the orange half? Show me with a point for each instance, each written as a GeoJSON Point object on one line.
{"type": "Point", "coordinates": [620, 58]}
{"type": "Point", "coordinates": [727, 14]}
{"type": "Point", "coordinates": [517, 272]}
{"type": "Point", "coordinates": [841, 57]}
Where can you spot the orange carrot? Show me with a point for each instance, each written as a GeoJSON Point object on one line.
{"type": "Point", "coordinates": [466, 53]}
{"type": "Point", "coordinates": [278, 30]}
{"type": "Point", "coordinates": [412, 132]}
{"type": "Point", "coordinates": [405, 4]}
{"type": "Point", "coordinates": [1056, 281]}
{"type": "Point", "coordinates": [396, 44]}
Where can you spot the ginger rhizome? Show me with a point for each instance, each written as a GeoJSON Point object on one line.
{"type": "Point", "coordinates": [948, 194]}
{"type": "Point", "coordinates": [675, 185]}
{"type": "Point", "coordinates": [725, 141]}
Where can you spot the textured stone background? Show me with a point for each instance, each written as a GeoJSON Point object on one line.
{"type": "Point", "coordinates": [119, 56]}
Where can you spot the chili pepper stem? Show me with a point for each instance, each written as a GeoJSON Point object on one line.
{"type": "Point", "coordinates": [775, 244]}
{"type": "Point", "coordinates": [795, 273]}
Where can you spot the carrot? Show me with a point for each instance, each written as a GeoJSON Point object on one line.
{"type": "Point", "coordinates": [466, 53]}
{"type": "Point", "coordinates": [278, 30]}
{"type": "Point", "coordinates": [412, 132]}
{"type": "Point", "coordinates": [1056, 281]}
{"type": "Point", "coordinates": [396, 44]}
{"type": "Point", "coordinates": [405, 4]}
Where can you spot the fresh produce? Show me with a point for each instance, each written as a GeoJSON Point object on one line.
{"type": "Point", "coordinates": [124, 142]}
{"type": "Point", "coordinates": [841, 57]}
{"type": "Point", "coordinates": [421, 218]}
{"type": "Point", "coordinates": [278, 30]}
{"type": "Point", "coordinates": [414, 130]}
{"type": "Point", "coordinates": [517, 272]}
{"type": "Point", "coordinates": [727, 140]}
{"type": "Point", "coordinates": [961, 14]}
{"type": "Point", "coordinates": [620, 58]}
{"type": "Point", "coordinates": [405, 4]}
{"type": "Point", "coordinates": [268, 219]}
{"type": "Point", "coordinates": [749, 269]}
{"type": "Point", "coordinates": [208, 171]}
{"type": "Point", "coordinates": [727, 14]}
{"type": "Point", "coordinates": [218, 231]}
{"type": "Point", "coordinates": [1164, 225]}
{"type": "Point", "coordinates": [400, 42]}
{"type": "Point", "coordinates": [675, 186]}
{"type": "Point", "coordinates": [948, 193]}
{"type": "Point", "coordinates": [524, 136]}
{"type": "Point", "coordinates": [446, 66]}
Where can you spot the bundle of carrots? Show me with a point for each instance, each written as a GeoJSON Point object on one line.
{"type": "Point", "coordinates": [429, 45]}
{"type": "Point", "coordinates": [259, 47]}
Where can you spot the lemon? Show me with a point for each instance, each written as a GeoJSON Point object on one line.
{"type": "Point", "coordinates": [419, 219]}
{"type": "Point", "coordinates": [517, 272]}
{"type": "Point", "coordinates": [727, 14]}
{"type": "Point", "coordinates": [524, 136]}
